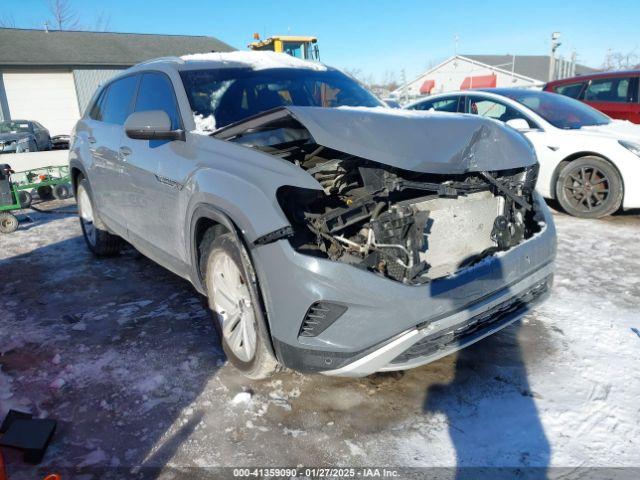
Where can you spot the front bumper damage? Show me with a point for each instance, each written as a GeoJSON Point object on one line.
{"type": "Point", "coordinates": [385, 319]}
{"type": "Point", "coordinates": [424, 234]}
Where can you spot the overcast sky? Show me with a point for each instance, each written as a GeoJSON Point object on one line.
{"type": "Point", "coordinates": [377, 35]}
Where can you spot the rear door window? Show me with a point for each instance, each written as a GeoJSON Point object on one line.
{"type": "Point", "coordinates": [116, 106]}
{"type": "Point", "coordinates": [96, 109]}
{"type": "Point", "coordinates": [572, 90]}
{"type": "Point", "coordinates": [156, 93]}
{"type": "Point", "coordinates": [608, 90]}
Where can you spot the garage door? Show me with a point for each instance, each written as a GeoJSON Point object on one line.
{"type": "Point", "coordinates": [46, 97]}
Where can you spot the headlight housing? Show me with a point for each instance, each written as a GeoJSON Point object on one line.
{"type": "Point", "coordinates": [23, 145]}
{"type": "Point", "coordinates": [631, 146]}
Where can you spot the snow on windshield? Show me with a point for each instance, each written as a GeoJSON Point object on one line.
{"type": "Point", "coordinates": [204, 125]}
{"type": "Point", "coordinates": [254, 60]}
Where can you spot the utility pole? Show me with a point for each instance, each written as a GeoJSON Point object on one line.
{"type": "Point", "coordinates": [555, 36]}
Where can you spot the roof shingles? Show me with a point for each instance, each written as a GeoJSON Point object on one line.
{"type": "Point", "coordinates": [22, 47]}
{"type": "Point", "coordinates": [532, 66]}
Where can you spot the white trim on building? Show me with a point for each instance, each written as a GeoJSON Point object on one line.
{"type": "Point", "coordinates": [449, 75]}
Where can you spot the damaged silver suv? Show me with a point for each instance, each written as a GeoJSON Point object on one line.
{"type": "Point", "coordinates": [329, 233]}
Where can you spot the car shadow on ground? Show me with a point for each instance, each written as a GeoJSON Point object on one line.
{"type": "Point", "coordinates": [489, 406]}
{"type": "Point", "coordinates": [125, 356]}
{"type": "Point", "coordinates": [491, 414]}
{"type": "Point", "coordinates": [116, 350]}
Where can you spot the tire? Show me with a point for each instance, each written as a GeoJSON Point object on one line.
{"type": "Point", "coordinates": [24, 198]}
{"type": "Point", "coordinates": [99, 241]}
{"type": "Point", "coordinates": [234, 298]}
{"type": "Point", "coordinates": [8, 222]}
{"type": "Point", "coordinates": [589, 187]}
{"type": "Point", "coordinates": [62, 191]}
{"type": "Point", "coordinates": [45, 193]}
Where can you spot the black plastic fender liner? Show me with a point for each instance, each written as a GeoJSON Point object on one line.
{"type": "Point", "coordinates": [75, 164]}
{"type": "Point", "coordinates": [209, 212]}
{"type": "Point", "coordinates": [284, 232]}
{"type": "Point", "coordinates": [206, 211]}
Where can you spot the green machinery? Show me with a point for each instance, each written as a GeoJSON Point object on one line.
{"type": "Point", "coordinates": [16, 188]}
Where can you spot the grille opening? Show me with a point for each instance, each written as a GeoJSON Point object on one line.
{"type": "Point", "coordinates": [501, 313]}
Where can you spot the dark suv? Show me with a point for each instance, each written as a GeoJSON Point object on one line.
{"type": "Point", "coordinates": [613, 93]}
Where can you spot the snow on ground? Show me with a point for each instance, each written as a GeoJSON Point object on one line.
{"type": "Point", "coordinates": [124, 355]}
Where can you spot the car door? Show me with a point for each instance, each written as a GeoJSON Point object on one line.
{"type": "Point", "coordinates": [611, 95]}
{"type": "Point", "coordinates": [155, 170]}
{"type": "Point", "coordinates": [108, 184]}
{"type": "Point", "coordinates": [41, 141]}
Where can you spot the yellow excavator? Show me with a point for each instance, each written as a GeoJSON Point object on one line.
{"type": "Point", "coordinates": [303, 47]}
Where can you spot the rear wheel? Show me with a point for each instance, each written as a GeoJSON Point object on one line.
{"type": "Point", "coordinates": [233, 296]}
{"type": "Point", "coordinates": [8, 222]}
{"type": "Point", "coordinates": [589, 187]}
{"type": "Point", "coordinates": [61, 191]}
{"type": "Point", "coordinates": [98, 239]}
{"type": "Point", "coordinates": [24, 198]}
{"type": "Point", "coordinates": [45, 193]}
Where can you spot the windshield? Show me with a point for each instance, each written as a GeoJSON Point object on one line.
{"type": "Point", "coordinates": [14, 127]}
{"type": "Point", "coordinates": [558, 110]}
{"type": "Point", "coordinates": [223, 96]}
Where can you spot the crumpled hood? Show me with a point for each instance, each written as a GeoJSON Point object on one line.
{"type": "Point", "coordinates": [9, 137]}
{"type": "Point", "coordinates": [425, 142]}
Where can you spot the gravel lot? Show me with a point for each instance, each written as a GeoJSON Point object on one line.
{"type": "Point", "coordinates": [124, 355]}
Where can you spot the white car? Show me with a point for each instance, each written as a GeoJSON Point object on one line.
{"type": "Point", "coordinates": [589, 162]}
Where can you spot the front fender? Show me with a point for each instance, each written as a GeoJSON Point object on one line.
{"type": "Point", "coordinates": [241, 183]}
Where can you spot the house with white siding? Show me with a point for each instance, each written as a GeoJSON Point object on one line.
{"type": "Point", "coordinates": [463, 72]}
{"type": "Point", "coordinates": [50, 76]}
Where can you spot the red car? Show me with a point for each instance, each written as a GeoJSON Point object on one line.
{"type": "Point", "coordinates": [613, 93]}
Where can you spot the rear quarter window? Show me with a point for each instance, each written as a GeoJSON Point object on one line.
{"type": "Point", "coordinates": [117, 104]}
{"type": "Point", "coordinates": [95, 113]}
{"type": "Point", "coordinates": [572, 90]}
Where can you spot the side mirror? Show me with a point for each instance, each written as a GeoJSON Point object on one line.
{"type": "Point", "coordinates": [518, 124]}
{"type": "Point", "coordinates": [151, 125]}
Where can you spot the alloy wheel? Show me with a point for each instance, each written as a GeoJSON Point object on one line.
{"type": "Point", "coordinates": [586, 188]}
{"type": "Point", "coordinates": [85, 210]}
{"type": "Point", "coordinates": [232, 301]}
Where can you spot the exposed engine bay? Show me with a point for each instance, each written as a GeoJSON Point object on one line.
{"type": "Point", "coordinates": [409, 226]}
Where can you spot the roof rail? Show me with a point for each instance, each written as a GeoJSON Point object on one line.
{"type": "Point", "coordinates": [173, 59]}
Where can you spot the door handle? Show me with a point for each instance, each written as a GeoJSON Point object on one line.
{"type": "Point", "coordinates": [91, 139]}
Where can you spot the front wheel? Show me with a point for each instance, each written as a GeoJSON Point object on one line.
{"type": "Point", "coordinates": [8, 222]}
{"type": "Point", "coordinates": [98, 239]}
{"type": "Point", "coordinates": [589, 187]}
{"type": "Point", "coordinates": [233, 296]}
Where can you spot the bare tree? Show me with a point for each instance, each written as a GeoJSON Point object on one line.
{"type": "Point", "coordinates": [7, 21]}
{"type": "Point", "coordinates": [366, 79]}
{"type": "Point", "coordinates": [621, 61]}
{"type": "Point", "coordinates": [389, 80]}
{"type": "Point", "coordinates": [64, 15]}
{"type": "Point", "coordinates": [102, 22]}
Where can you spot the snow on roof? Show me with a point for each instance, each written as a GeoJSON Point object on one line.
{"type": "Point", "coordinates": [254, 60]}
